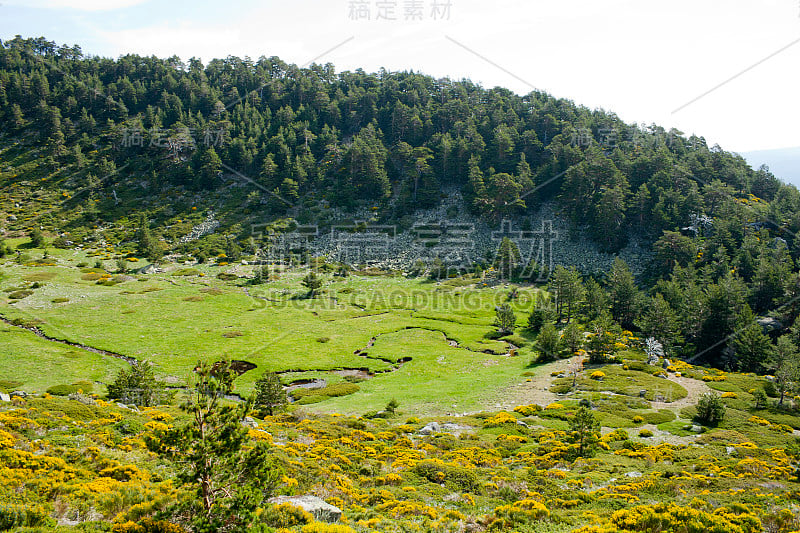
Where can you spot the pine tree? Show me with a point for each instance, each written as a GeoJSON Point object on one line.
{"type": "Point", "coordinates": [313, 283]}
{"type": "Point", "coordinates": [230, 474]}
{"type": "Point", "coordinates": [584, 432]}
{"type": "Point", "coordinates": [548, 343]}
{"type": "Point", "coordinates": [270, 395]}
{"type": "Point", "coordinates": [506, 319]}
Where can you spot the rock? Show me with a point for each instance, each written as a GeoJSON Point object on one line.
{"type": "Point", "coordinates": [430, 427]}
{"type": "Point", "coordinates": [730, 450]}
{"type": "Point", "coordinates": [633, 473]}
{"type": "Point", "coordinates": [642, 393]}
{"type": "Point", "coordinates": [249, 422]}
{"type": "Point", "coordinates": [694, 428]}
{"type": "Point", "coordinates": [450, 426]}
{"type": "Point", "coordinates": [149, 269]}
{"type": "Point", "coordinates": [122, 405]}
{"type": "Point", "coordinates": [769, 324]}
{"type": "Point", "coordinates": [12, 218]}
{"type": "Point", "coordinates": [20, 393]}
{"type": "Point", "coordinates": [4, 397]}
{"type": "Point", "coordinates": [319, 508]}
{"type": "Point", "coordinates": [521, 423]}
{"type": "Point", "coordinates": [666, 364]}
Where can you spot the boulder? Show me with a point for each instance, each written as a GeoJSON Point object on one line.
{"type": "Point", "coordinates": [4, 397]}
{"type": "Point", "coordinates": [730, 450]}
{"type": "Point", "coordinates": [666, 364]}
{"type": "Point", "coordinates": [633, 473]}
{"type": "Point", "coordinates": [249, 422]}
{"type": "Point", "coordinates": [642, 393]}
{"type": "Point", "coordinates": [430, 428]}
{"type": "Point", "coordinates": [319, 508]}
{"type": "Point", "coordinates": [149, 269]}
{"type": "Point", "coordinates": [20, 393]}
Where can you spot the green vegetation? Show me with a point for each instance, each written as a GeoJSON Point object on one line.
{"type": "Point", "coordinates": [415, 401]}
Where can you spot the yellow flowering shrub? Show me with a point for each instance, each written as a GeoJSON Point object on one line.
{"type": "Point", "coordinates": [527, 410]}
{"type": "Point", "coordinates": [598, 375]}
{"type": "Point", "coordinates": [6, 439]}
{"type": "Point", "coordinates": [321, 527]}
{"type": "Point", "coordinates": [499, 419]}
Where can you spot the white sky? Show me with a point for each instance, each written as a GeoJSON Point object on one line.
{"type": "Point", "coordinates": [642, 60]}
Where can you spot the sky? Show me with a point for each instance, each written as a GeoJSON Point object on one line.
{"type": "Point", "coordinates": [726, 70]}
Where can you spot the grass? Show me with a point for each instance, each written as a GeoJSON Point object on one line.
{"type": "Point", "coordinates": [626, 382]}
{"type": "Point", "coordinates": [38, 364]}
{"type": "Point", "coordinates": [444, 328]}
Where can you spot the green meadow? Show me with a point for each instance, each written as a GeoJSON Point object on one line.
{"type": "Point", "coordinates": [430, 343]}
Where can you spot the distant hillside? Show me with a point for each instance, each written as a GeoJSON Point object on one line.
{"type": "Point", "coordinates": [784, 163]}
{"type": "Point", "coordinates": [159, 156]}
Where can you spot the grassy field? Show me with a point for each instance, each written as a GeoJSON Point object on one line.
{"type": "Point", "coordinates": [180, 316]}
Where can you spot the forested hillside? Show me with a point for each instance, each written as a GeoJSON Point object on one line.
{"type": "Point", "coordinates": [86, 142]}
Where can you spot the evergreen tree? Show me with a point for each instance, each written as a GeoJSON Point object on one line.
{"type": "Point", "coordinates": [269, 393]}
{"type": "Point", "coordinates": [506, 319]}
{"type": "Point", "coordinates": [230, 474]}
{"type": "Point", "coordinates": [623, 293]}
{"type": "Point", "coordinates": [584, 432]}
{"type": "Point", "coordinates": [313, 283]}
{"type": "Point", "coordinates": [785, 365]}
{"type": "Point", "coordinates": [137, 386]}
{"type": "Point", "coordinates": [548, 343]}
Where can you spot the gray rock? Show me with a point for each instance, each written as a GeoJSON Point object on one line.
{"type": "Point", "coordinates": [666, 363]}
{"type": "Point", "coordinates": [450, 426]}
{"type": "Point", "coordinates": [4, 397]}
{"type": "Point", "coordinates": [730, 450]}
{"type": "Point", "coordinates": [769, 324]}
{"type": "Point", "coordinates": [633, 473]}
{"type": "Point", "coordinates": [249, 422]}
{"type": "Point", "coordinates": [642, 393]}
{"type": "Point", "coordinates": [430, 428]}
{"type": "Point", "coordinates": [149, 269]}
{"type": "Point", "coordinates": [12, 218]}
{"type": "Point", "coordinates": [319, 508]}
{"type": "Point", "coordinates": [20, 393]}
{"type": "Point", "coordinates": [696, 429]}
{"type": "Point", "coordinates": [122, 405]}
{"type": "Point", "coordinates": [521, 423]}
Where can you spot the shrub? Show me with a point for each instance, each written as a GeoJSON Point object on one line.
{"type": "Point", "coordinates": [645, 433]}
{"type": "Point", "coordinates": [710, 409]}
{"type": "Point", "coordinates": [66, 390]}
{"type": "Point", "coordinates": [457, 477]}
{"type": "Point", "coordinates": [598, 375]}
{"type": "Point", "coordinates": [19, 295]}
{"type": "Point", "coordinates": [147, 525]}
{"type": "Point", "coordinates": [638, 419]}
{"type": "Point", "coordinates": [16, 515]}
{"type": "Point", "coordinates": [285, 515]}
{"type": "Point", "coordinates": [318, 395]}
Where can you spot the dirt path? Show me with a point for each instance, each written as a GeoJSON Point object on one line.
{"type": "Point", "coordinates": [537, 390]}
{"type": "Point", "coordinates": [695, 388]}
